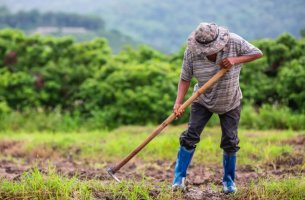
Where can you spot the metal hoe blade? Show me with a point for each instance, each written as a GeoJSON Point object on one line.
{"type": "Point", "coordinates": [110, 172]}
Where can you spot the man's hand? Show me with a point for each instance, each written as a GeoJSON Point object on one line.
{"type": "Point", "coordinates": [176, 110]}
{"type": "Point", "coordinates": [227, 63]}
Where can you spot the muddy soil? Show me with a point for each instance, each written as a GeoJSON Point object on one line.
{"type": "Point", "coordinates": [297, 142]}
{"type": "Point", "coordinates": [204, 181]}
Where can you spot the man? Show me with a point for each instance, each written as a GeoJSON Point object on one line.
{"type": "Point", "coordinates": [211, 47]}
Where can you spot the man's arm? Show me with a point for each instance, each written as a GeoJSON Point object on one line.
{"type": "Point", "coordinates": [245, 52]}
{"type": "Point", "coordinates": [229, 62]}
{"type": "Point", "coordinates": [184, 83]}
{"type": "Point", "coordinates": [183, 87]}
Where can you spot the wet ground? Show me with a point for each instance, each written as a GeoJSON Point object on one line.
{"type": "Point", "coordinates": [204, 181]}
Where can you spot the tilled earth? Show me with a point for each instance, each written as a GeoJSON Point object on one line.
{"type": "Point", "coordinates": [204, 181]}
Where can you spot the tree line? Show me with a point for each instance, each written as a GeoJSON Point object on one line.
{"type": "Point", "coordinates": [28, 20]}
{"type": "Point", "coordinates": [94, 26]}
{"type": "Point", "coordinates": [165, 25]}
{"type": "Point", "coordinates": [136, 86]}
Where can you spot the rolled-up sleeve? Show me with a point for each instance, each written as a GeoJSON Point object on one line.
{"type": "Point", "coordinates": [187, 68]}
{"type": "Point", "coordinates": [246, 48]}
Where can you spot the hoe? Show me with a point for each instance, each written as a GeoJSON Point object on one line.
{"type": "Point", "coordinates": [111, 171]}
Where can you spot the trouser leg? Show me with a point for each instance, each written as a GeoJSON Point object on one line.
{"type": "Point", "coordinates": [229, 143]}
{"type": "Point", "coordinates": [199, 116]}
{"type": "Point", "coordinates": [229, 126]}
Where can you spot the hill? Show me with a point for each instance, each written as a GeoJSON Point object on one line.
{"type": "Point", "coordinates": [166, 24]}
{"type": "Point", "coordinates": [79, 26]}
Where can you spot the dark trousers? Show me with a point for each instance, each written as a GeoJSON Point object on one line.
{"type": "Point", "coordinates": [199, 117]}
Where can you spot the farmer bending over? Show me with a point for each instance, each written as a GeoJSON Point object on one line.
{"type": "Point", "coordinates": [210, 48]}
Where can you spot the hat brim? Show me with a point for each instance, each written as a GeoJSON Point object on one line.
{"type": "Point", "coordinates": [210, 48]}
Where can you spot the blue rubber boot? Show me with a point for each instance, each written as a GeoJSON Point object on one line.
{"type": "Point", "coordinates": [183, 160]}
{"type": "Point", "coordinates": [229, 165]}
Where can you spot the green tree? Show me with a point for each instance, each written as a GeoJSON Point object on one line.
{"type": "Point", "coordinates": [291, 84]}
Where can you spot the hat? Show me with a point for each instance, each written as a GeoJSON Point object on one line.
{"type": "Point", "coordinates": [208, 38]}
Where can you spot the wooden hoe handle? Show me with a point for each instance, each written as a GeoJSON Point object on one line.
{"type": "Point", "coordinates": [169, 119]}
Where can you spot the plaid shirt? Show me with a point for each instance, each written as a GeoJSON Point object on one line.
{"type": "Point", "coordinates": [225, 94]}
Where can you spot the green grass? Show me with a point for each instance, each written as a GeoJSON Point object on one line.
{"type": "Point", "coordinates": [256, 146]}
{"type": "Point", "coordinates": [292, 188]}
{"type": "Point", "coordinates": [36, 185]}
{"type": "Point", "coordinates": [140, 190]}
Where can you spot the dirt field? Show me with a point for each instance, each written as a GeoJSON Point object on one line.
{"type": "Point", "coordinates": [204, 181]}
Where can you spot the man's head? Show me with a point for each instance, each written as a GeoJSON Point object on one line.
{"type": "Point", "coordinates": [208, 38]}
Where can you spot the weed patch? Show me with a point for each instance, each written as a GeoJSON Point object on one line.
{"type": "Point", "coordinates": [290, 188]}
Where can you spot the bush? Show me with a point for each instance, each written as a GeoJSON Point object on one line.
{"type": "Point", "coordinates": [39, 120]}
{"type": "Point", "coordinates": [138, 86]}
{"type": "Point", "coordinates": [271, 117]}
{"type": "Point", "coordinates": [292, 87]}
